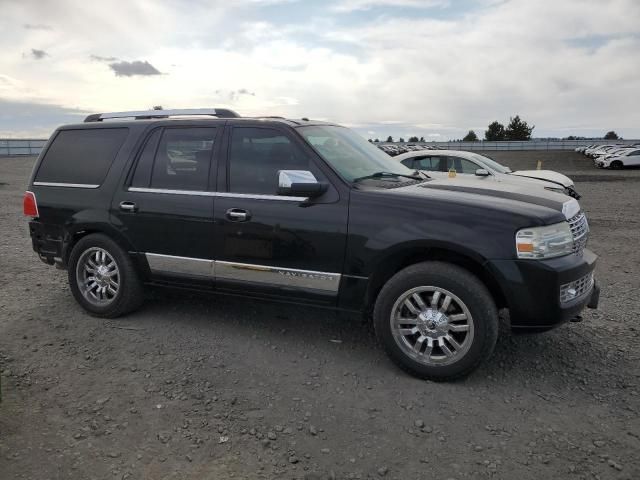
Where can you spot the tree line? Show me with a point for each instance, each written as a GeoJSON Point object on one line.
{"type": "Point", "coordinates": [517, 129]}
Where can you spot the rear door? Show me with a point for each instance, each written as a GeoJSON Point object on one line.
{"type": "Point", "coordinates": [272, 245]}
{"type": "Point", "coordinates": [165, 206]}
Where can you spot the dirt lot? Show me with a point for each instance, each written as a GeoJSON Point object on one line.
{"type": "Point", "coordinates": [202, 387]}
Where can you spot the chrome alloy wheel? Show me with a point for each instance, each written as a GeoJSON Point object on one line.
{"type": "Point", "coordinates": [432, 325]}
{"type": "Point", "coordinates": [98, 276]}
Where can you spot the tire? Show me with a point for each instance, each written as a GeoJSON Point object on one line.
{"type": "Point", "coordinates": [616, 165]}
{"type": "Point", "coordinates": [469, 298]}
{"type": "Point", "coordinates": [95, 256]}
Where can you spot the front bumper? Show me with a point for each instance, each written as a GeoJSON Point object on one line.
{"type": "Point", "coordinates": [533, 289]}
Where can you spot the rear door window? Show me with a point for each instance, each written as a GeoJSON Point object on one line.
{"type": "Point", "coordinates": [183, 159]}
{"type": "Point", "coordinates": [81, 157]}
{"type": "Point", "coordinates": [176, 159]}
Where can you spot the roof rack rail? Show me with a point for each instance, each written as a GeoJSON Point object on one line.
{"type": "Point", "coordinates": [149, 114]}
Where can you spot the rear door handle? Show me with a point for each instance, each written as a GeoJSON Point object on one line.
{"type": "Point", "coordinates": [128, 207]}
{"type": "Point", "coordinates": [238, 215]}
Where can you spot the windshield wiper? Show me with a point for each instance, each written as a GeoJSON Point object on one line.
{"type": "Point", "coordinates": [415, 176]}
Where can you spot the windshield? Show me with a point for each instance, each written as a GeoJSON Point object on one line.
{"type": "Point", "coordinates": [349, 154]}
{"type": "Point", "coordinates": [492, 164]}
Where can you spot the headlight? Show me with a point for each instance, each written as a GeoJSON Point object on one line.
{"type": "Point", "coordinates": [544, 242]}
{"type": "Point", "coordinates": [558, 189]}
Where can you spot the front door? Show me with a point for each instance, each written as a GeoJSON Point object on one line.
{"type": "Point", "coordinates": [165, 208]}
{"type": "Point", "coordinates": [272, 245]}
{"type": "Point", "coordinates": [633, 159]}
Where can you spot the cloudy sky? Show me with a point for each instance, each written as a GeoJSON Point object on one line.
{"type": "Point", "coordinates": [432, 68]}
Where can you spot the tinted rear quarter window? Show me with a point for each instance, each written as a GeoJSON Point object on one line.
{"type": "Point", "coordinates": [81, 156]}
{"type": "Point", "coordinates": [142, 175]}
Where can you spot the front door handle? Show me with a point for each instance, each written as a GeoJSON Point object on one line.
{"type": "Point", "coordinates": [238, 215]}
{"type": "Point", "coordinates": [128, 207]}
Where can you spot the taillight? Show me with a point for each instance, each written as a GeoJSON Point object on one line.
{"type": "Point", "coordinates": [29, 204]}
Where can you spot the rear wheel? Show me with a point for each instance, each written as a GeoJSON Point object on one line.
{"type": "Point", "coordinates": [436, 320]}
{"type": "Point", "coordinates": [103, 278]}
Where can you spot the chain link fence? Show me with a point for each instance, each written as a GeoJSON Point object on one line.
{"type": "Point", "coordinates": [28, 146]}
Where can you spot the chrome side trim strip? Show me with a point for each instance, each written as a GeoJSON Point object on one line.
{"type": "Point", "coordinates": [196, 193]}
{"type": "Point", "coordinates": [218, 194]}
{"type": "Point", "coordinates": [199, 267]}
{"type": "Point", "coordinates": [261, 197]}
{"type": "Point", "coordinates": [244, 272]}
{"type": "Point", "coordinates": [287, 277]}
{"type": "Point", "coordinates": [68, 185]}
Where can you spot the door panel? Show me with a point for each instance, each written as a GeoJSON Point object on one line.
{"type": "Point", "coordinates": [633, 159]}
{"type": "Point", "coordinates": [166, 208]}
{"type": "Point", "coordinates": [284, 246]}
{"type": "Point", "coordinates": [178, 224]}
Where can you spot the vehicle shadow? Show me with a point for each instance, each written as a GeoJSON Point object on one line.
{"type": "Point", "coordinates": [543, 358]}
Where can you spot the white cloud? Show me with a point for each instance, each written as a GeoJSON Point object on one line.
{"type": "Point", "coordinates": [568, 67]}
{"type": "Point", "coordinates": [353, 5]}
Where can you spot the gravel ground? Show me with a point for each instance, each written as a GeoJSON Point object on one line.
{"type": "Point", "coordinates": [201, 387]}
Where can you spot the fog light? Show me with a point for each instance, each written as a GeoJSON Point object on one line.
{"type": "Point", "coordinates": [576, 289]}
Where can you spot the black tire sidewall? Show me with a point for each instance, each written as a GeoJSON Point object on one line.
{"type": "Point", "coordinates": [465, 286]}
{"type": "Point", "coordinates": [116, 307]}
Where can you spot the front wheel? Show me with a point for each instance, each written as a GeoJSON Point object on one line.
{"type": "Point", "coordinates": [617, 165]}
{"type": "Point", "coordinates": [436, 320]}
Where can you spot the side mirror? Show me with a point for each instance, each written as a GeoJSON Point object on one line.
{"type": "Point", "coordinates": [299, 183]}
{"type": "Point", "coordinates": [481, 172]}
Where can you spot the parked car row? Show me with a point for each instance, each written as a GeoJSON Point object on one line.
{"type": "Point", "coordinates": [613, 156]}
{"type": "Point", "coordinates": [394, 150]}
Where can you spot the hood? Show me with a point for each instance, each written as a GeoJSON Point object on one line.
{"type": "Point", "coordinates": [548, 175]}
{"type": "Point", "coordinates": [500, 195]}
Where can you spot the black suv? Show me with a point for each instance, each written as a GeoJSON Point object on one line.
{"type": "Point", "coordinates": [306, 212]}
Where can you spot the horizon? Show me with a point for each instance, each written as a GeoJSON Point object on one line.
{"type": "Point", "coordinates": [427, 68]}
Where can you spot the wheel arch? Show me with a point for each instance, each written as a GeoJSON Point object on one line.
{"type": "Point", "coordinates": [399, 259]}
{"type": "Point", "coordinates": [80, 230]}
{"type": "Point", "coordinates": [617, 163]}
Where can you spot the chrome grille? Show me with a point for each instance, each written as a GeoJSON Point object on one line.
{"type": "Point", "coordinates": [580, 232]}
{"type": "Point", "coordinates": [576, 289]}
